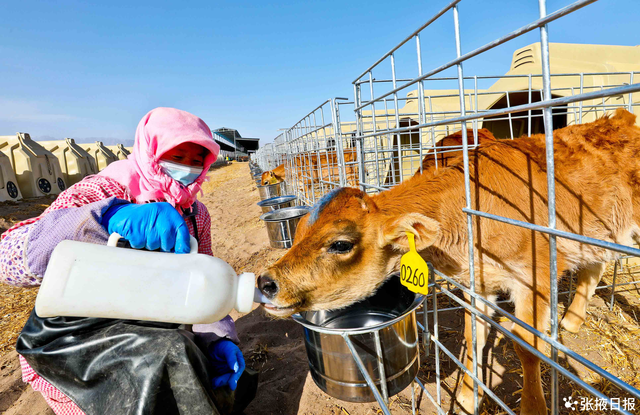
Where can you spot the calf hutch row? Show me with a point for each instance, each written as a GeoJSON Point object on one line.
{"type": "Point", "coordinates": [472, 166]}
{"type": "Point", "coordinates": [31, 168]}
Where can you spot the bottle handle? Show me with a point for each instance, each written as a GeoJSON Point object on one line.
{"type": "Point", "coordinates": [115, 237]}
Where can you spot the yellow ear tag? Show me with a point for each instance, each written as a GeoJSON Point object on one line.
{"type": "Point", "coordinates": [414, 271]}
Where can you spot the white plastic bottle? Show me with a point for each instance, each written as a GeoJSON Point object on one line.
{"type": "Point", "coordinates": [90, 280]}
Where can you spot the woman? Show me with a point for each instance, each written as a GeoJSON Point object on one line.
{"type": "Point", "coordinates": [100, 366]}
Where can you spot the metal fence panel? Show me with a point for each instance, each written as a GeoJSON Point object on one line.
{"type": "Point", "coordinates": [401, 128]}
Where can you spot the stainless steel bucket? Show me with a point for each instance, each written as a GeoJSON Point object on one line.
{"type": "Point", "coordinates": [282, 223]}
{"type": "Point", "coordinates": [276, 203]}
{"type": "Point", "coordinates": [389, 315]}
{"type": "Point", "coordinates": [272, 190]}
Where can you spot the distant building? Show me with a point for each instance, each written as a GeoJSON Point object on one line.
{"type": "Point", "coordinates": [233, 144]}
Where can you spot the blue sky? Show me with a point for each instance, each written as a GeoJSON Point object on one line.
{"type": "Point", "coordinates": [92, 69]}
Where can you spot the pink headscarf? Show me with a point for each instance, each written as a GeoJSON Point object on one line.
{"type": "Point", "coordinates": [161, 130]}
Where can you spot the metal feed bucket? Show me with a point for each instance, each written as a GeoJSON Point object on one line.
{"type": "Point", "coordinates": [276, 203]}
{"type": "Point", "coordinates": [381, 330]}
{"type": "Point", "coordinates": [272, 190]}
{"type": "Point", "coordinates": [282, 223]}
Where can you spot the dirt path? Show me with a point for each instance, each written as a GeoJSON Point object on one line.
{"type": "Point", "coordinates": [275, 347]}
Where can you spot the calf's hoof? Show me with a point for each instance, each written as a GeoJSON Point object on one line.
{"type": "Point", "coordinates": [571, 324]}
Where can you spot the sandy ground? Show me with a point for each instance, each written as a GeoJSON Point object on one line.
{"type": "Point", "coordinates": [15, 305]}
{"type": "Point", "coordinates": [276, 348]}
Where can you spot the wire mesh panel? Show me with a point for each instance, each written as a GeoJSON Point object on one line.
{"type": "Point", "coordinates": [417, 125]}
{"type": "Point", "coordinates": [266, 157]}
{"type": "Point", "coordinates": [395, 149]}
{"type": "Point", "coordinates": [279, 155]}
{"type": "Point", "coordinates": [315, 151]}
{"type": "Point", "coordinates": [409, 126]}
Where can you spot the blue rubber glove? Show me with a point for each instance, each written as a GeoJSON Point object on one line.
{"type": "Point", "coordinates": [227, 362]}
{"type": "Point", "coordinates": [151, 226]}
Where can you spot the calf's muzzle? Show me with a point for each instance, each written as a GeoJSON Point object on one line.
{"type": "Point", "coordinates": [267, 286]}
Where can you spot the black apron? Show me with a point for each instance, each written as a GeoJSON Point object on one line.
{"type": "Point", "coordinates": [109, 366]}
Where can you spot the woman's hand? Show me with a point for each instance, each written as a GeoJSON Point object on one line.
{"type": "Point", "coordinates": [228, 363]}
{"type": "Point", "coordinates": [151, 226]}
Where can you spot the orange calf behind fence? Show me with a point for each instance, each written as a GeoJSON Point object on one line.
{"type": "Point", "coordinates": [351, 237]}
{"type": "Point", "coordinates": [445, 158]}
{"type": "Point", "coordinates": [314, 168]}
{"type": "Point", "coordinates": [328, 167]}
{"type": "Point", "coordinates": [273, 176]}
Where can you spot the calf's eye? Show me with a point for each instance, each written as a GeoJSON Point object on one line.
{"type": "Point", "coordinates": [340, 247]}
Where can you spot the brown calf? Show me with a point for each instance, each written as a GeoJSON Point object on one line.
{"type": "Point", "coordinates": [328, 166]}
{"type": "Point", "coordinates": [273, 176]}
{"type": "Point", "coordinates": [313, 167]}
{"type": "Point", "coordinates": [350, 242]}
{"type": "Point", "coordinates": [446, 157]}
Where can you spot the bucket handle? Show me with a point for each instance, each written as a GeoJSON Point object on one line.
{"type": "Point", "coordinates": [115, 237]}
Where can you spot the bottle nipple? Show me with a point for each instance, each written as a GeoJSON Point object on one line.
{"type": "Point", "coordinates": [258, 297]}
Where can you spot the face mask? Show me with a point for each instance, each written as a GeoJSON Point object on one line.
{"type": "Point", "coordinates": [180, 172]}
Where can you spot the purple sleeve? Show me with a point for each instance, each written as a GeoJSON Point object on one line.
{"type": "Point", "coordinates": [223, 329]}
{"type": "Point", "coordinates": [25, 252]}
{"type": "Point", "coordinates": [75, 223]}
{"type": "Point", "coordinates": [13, 264]}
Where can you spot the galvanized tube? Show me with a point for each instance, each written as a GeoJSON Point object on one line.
{"type": "Point", "coordinates": [380, 358]}
{"type": "Point", "coordinates": [421, 114]}
{"type": "Point", "coordinates": [631, 95]}
{"type": "Point", "coordinates": [359, 130]}
{"type": "Point", "coordinates": [475, 122]}
{"type": "Point", "coordinates": [386, 55]}
{"type": "Point", "coordinates": [433, 135]}
{"type": "Point", "coordinates": [509, 116]}
{"type": "Point", "coordinates": [565, 372]}
{"type": "Point", "coordinates": [570, 353]}
{"type": "Point", "coordinates": [551, 202]}
{"type": "Point", "coordinates": [365, 374]}
{"type": "Point", "coordinates": [375, 129]}
{"type": "Point", "coordinates": [529, 111]}
{"type": "Point", "coordinates": [581, 92]}
{"type": "Point", "coordinates": [486, 389]}
{"type": "Point", "coordinates": [524, 29]}
{"type": "Point", "coordinates": [396, 116]}
{"type": "Point", "coordinates": [337, 139]}
{"type": "Point", "coordinates": [518, 108]}
{"type": "Point", "coordinates": [604, 111]}
{"type": "Point", "coordinates": [467, 194]}
{"type": "Point", "coordinates": [413, 398]}
{"type": "Point", "coordinates": [436, 338]}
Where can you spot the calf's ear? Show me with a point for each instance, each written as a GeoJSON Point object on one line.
{"type": "Point", "coordinates": [394, 231]}
{"type": "Point", "coordinates": [301, 229]}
